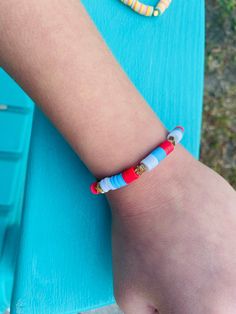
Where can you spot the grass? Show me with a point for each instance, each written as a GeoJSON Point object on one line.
{"type": "Point", "coordinates": [218, 148]}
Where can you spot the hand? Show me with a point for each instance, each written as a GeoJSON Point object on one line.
{"type": "Point", "coordinates": [174, 240]}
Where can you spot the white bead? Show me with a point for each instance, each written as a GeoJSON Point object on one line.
{"type": "Point", "coordinates": [104, 186]}
{"type": "Point", "coordinates": [150, 162]}
{"type": "Point", "coordinates": [109, 184]}
{"type": "Point", "coordinates": [177, 135]}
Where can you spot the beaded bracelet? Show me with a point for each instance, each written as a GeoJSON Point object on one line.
{"type": "Point", "coordinates": [147, 10]}
{"type": "Point", "coordinates": [147, 164]}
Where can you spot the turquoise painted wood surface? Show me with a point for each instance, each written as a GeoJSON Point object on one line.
{"type": "Point", "coordinates": [16, 112]}
{"type": "Point", "coordinates": [64, 263]}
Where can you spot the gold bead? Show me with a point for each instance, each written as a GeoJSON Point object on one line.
{"type": "Point", "coordinates": [140, 169]}
{"type": "Point", "coordinates": [99, 189]}
{"type": "Point", "coordinates": [171, 139]}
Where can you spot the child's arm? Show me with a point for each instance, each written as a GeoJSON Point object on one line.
{"type": "Point", "coordinates": [174, 229]}
{"type": "Point", "coordinates": [54, 51]}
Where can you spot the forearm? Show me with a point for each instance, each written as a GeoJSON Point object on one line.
{"type": "Point", "coordinates": [55, 52]}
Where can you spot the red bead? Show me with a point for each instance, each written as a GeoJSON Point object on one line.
{"type": "Point", "coordinates": [167, 146]}
{"type": "Point", "coordinates": [93, 188]}
{"type": "Point", "coordinates": [129, 175]}
{"type": "Point", "coordinates": [180, 127]}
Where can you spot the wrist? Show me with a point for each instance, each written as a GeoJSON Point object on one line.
{"type": "Point", "coordinates": [155, 188]}
{"type": "Point", "coordinates": [125, 149]}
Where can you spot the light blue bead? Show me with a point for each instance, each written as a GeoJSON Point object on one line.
{"type": "Point", "coordinates": [121, 180]}
{"type": "Point", "coordinates": [113, 182]}
{"type": "Point", "coordinates": [159, 153]}
{"type": "Point", "coordinates": [117, 181]}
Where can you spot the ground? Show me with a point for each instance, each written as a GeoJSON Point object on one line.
{"type": "Point", "coordinates": [218, 148]}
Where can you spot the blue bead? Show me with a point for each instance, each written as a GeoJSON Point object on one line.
{"type": "Point", "coordinates": [117, 181]}
{"type": "Point", "coordinates": [114, 182]}
{"type": "Point", "coordinates": [121, 180]}
{"type": "Point", "coordinates": [159, 153]}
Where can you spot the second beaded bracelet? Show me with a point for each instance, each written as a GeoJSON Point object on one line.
{"type": "Point", "coordinates": [147, 10]}
{"type": "Point", "coordinates": [147, 164]}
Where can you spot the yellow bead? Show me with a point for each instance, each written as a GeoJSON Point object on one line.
{"type": "Point", "coordinates": [149, 11]}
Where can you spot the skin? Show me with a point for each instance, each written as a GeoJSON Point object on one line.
{"type": "Point", "coordinates": [174, 245]}
{"type": "Point", "coordinates": [174, 230]}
